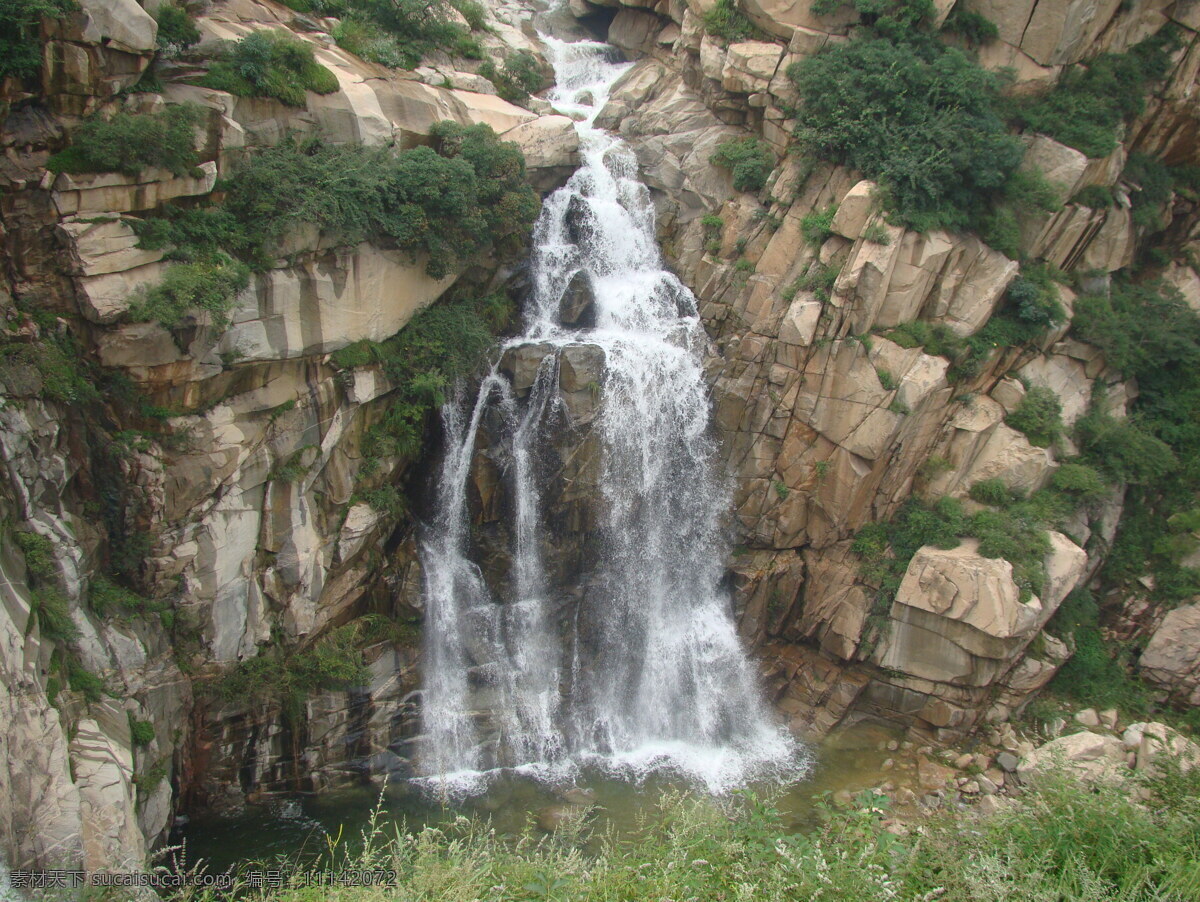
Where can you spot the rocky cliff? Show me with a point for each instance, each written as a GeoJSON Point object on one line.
{"type": "Point", "coordinates": [222, 474]}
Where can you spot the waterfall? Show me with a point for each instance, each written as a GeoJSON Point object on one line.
{"type": "Point", "coordinates": [661, 681]}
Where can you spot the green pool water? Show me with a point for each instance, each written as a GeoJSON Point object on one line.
{"type": "Point", "coordinates": [301, 827]}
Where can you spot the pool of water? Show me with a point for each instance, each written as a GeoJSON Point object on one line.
{"type": "Point", "coordinates": [302, 827]}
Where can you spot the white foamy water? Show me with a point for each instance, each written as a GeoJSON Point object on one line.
{"type": "Point", "coordinates": [647, 672]}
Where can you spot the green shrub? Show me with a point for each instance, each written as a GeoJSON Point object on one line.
{"type": "Point", "coordinates": [1034, 299]}
{"type": "Point", "coordinates": [875, 233]}
{"type": "Point", "coordinates": [20, 34]}
{"type": "Point", "coordinates": [886, 379]}
{"type": "Point", "coordinates": [332, 662]}
{"type": "Point", "coordinates": [936, 338]}
{"type": "Point", "coordinates": [83, 681]}
{"type": "Point", "coordinates": [915, 116]}
{"type": "Point", "coordinates": [186, 287]}
{"type": "Point", "coordinates": [1039, 416]}
{"type": "Point", "coordinates": [270, 64]}
{"type": "Point", "coordinates": [387, 500]}
{"type": "Point", "coordinates": [473, 11]}
{"type": "Point", "coordinates": [974, 28]}
{"type": "Point", "coordinates": [749, 160]}
{"type": "Point", "coordinates": [1152, 183]}
{"type": "Point", "coordinates": [895, 19]}
{"type": "Point", "coordinates": [1080, 481]}
{"type": "Point", "coordinates": [113, 601]}
{"type": "Point", "coordinates": [1086, 107]}
{"type": "Point", "coordinates": [364, 38]}
{"type": "Point", "coordinates": [176, 29]}
{"type": "Point", "coordinates": [725, 21]}
{"type": "Point", "coordinates": [452, 203]}
{"type": "Point", "coordinates": [399, 33]}
{"type": "Point", "coordinates": [517, 78]}
{"type": "Point", "coordinates": [38, 552]}
{"type": "Point", "coordinates": [1123, 450]}
{"type": "Point", "coordinates": [815, 226]}
{"type": "Point", "coordinates": [994, 492]}
{"type": "Point", "coordinates": [53, 612]}
{"type": "Point", "coordinates": [1098, 197]}
{"type": "Point", "coordinates": [141, 731]}
{"type": "Point", "coordinates": [131, 142]}
{"type": "Point", "coordinates": [712, 222]}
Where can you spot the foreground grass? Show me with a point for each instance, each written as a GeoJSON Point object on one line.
{"type": "Point", "coordinates": [1061, 841]}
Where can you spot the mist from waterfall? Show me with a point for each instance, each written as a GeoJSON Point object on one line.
{"type": "Point", "coordinates": [662, 682]}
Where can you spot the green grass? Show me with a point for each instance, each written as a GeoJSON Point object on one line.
{"type": "Point", "coordinates": [1062, 841]}
{"type": "Point", "coordinates": [270, 64]}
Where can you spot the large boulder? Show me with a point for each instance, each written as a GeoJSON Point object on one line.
{"type": "Point", "coordinates": [1172, 656]}
{"type": "Point", "coordinates": [1089, 756]}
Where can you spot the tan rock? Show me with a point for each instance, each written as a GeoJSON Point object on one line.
{"type": "Point", "coordinates": [959, 584]}
{"type": "Point", "coordinates": [1089, 756]}
{"type": "Point", "coordinates": [1063, 166]}
{"type": "Point", "coordinates": [783, 17]}
{"type": "Point", "coordinates": [750, 66]}
{"type": "Point", "coordinates": [1172, 656]}
{"type": "Point", "coordinates": [121, 22]}
{"type": "Point", "coordinates": [854, 210]}
{"type": "Point", "coordinates": [547, 142]}
{"type": "Point", "coordinates": [1062, 31]}
{"type": "Point", "coordinates": [1008, 393]}
{"type": "Point", "coordinates": [105, 246]}
{"type": "Point", "coordinates": [106, 297]}
{"type": "Point", "coordinates": [320, 306]}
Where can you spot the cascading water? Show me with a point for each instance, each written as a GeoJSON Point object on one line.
{"type": "Point", "coordinates": [661, 680]}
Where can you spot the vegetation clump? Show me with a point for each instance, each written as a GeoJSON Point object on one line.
{"type": "Point", "coordinates": [1039, 416]}
{"type": "Point", "coordinates": [270, 64]}
{"type": "Point", "coordinates": [332, 662]}
{"type": "Point", "coordinates": [441, 344]}
{"type": "Point", "coordinates": [452, 201]}
{"type": "Point", "coordinates": [1087, 106]}
{"type": "Point", "coordinates": [725, 21]}
{"type": "Point", "coordinates": [399, 33]}
{"type": "Point", "coordinates": [211, 286]}
{"type": "Point", "coordinates": [128, 143]}
{"type": "Point", "coordinates": [749, 160]}
{"type": "Point", "coordinates": [20, 34]}
{"type": "Point", "coordinates": [176, 29]}
{"type": "Point", "coordinates": [449, 203]}
{"type": "Point", "coordinates": [518, 77]}
{"type": "Point", "coordinates": [916, 116]}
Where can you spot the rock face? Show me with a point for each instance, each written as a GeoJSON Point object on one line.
{"type": "Point", "coordinates": [1172, 657]}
